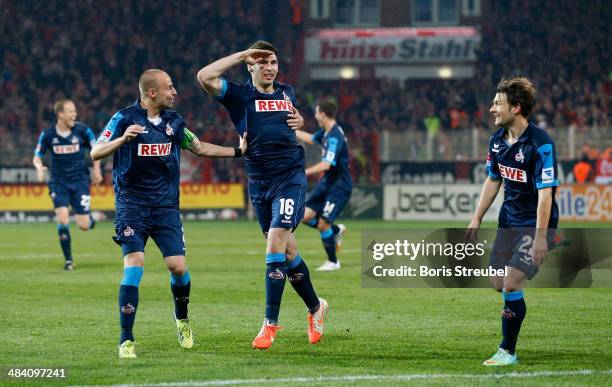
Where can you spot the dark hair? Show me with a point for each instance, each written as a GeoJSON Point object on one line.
{"type": "Point", "coordinates": [263, 45]}
{"type": "Point", "coordinates": [328, 107]}
{"type": "Point", "coordinates": [58, 106]}
{"type": "Point", "coordinates": [519, 91]}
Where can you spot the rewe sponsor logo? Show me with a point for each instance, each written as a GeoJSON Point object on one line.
{"type": "Point", "coordinates": [154, 149]}
{"type": "Point", "coordinates": [273, 105]}
{"type": "Point", "coordinates": [513, 174]}
{"type": "Point", "coordinates": [65, 149]}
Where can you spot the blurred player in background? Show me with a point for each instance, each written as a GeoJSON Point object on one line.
{"type": "Point", "coordinates": [523, 156]}
{"type": "Point", "coordinates": [277, 183]}
{"type": "Point", "coordinates": [333, 191]}
{"type": "Point", "coordinates": [145, 140]}
{"type": "Point", "coordinates": [69, 181]}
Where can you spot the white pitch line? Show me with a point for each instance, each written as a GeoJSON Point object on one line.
{"type": "Point", "coordinates": [357, 378]}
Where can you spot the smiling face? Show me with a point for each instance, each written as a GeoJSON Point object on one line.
{"type": "Point", "coordinates": [502, 112]}
{"type": "Point", "coordinates": [67, 116]}
{"type": "Point", "coordinates": [264, 73]}
{"type": "Point", "coordinates": [165, 93]}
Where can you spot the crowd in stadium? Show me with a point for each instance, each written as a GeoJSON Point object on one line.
{"type": "Point", "coordinates": [40, 64]}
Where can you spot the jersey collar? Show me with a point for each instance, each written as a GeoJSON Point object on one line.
{"type": "Point", "coordinates": [249, 84]}
{"type": "Point", "coordinates": [162, 113]}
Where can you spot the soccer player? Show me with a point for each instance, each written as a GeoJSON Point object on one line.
{"type": "Point", "coordinates": [145, 140]}
{"type": "Point", "coordinates": [333, 191]}
{"type": "Point", "coordinates": [523, 157]}
{"type": "Point", "coordinates": [277, 182]}
{"type": "Point", "coordinates": [69, 181]}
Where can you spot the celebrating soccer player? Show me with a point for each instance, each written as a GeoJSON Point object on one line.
{"type": "Point", "coordinates": [523, 157]}
{"type": "Point", "coordinates": [277, 182]}
{"type": "Point", "coordinates": [333, 191]}
{"type": "Point", "coordinates": [145, 139]}
{"type": "Point", "coordinates": [69, 182]}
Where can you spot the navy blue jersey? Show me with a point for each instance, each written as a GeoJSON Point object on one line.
{"type": "Point", "coordinates": [335, 152]}
{"type": "Point", "coordinates": [146, 169]}
{"type": "Point", "coordinates": [273, 148]}
{"type": "Point", "coordinates": [526, 166]}
{"type": "Point", "coordinates": [67, 153]}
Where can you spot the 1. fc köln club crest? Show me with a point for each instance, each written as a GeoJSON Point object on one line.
{"type": "Point", "coordinates": [169, 130]}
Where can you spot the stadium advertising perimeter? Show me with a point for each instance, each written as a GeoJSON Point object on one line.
{"type": "Point", "coordinates": [444, 258]}
{"type": "Point", "coordinates": [35, 197]}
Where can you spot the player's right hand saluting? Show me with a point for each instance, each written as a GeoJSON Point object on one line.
{"type": "Point", "coordinates": [253, 56]}
{"type": "Point", "coordinates": [132, 131]}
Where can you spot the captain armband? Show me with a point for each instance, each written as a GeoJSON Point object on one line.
{"type": "Point", "coordinates": [188, 139]}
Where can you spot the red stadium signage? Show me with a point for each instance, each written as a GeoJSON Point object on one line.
{"type": "Point", "coordinates": [393, 45]}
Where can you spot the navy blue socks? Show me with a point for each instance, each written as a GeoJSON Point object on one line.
{"type": "Point", "coordinates": [299, 277]}
{"type": "Point", "coordinates": [180, 286]}
{"type": "Point", "coordinates": [128, 300]}
{"type": "Point", "coordinates": [329, 243]}
{"type": "Point", "coordinates": [63, 231]}
{"type": "Point", "coordinates": [512, 318]}
{"type": "Point", "coordinates": [276, 271]}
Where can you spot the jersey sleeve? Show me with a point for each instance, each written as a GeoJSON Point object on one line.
{"type": "Point", "coordinates": [492, 166]}
{"type": "Point", "coordinates": [546, 167]}
{"type": "Point", "coordinates": [331, 151]}
{"type": "Point", "coordinates": [90, 137]}
{"type": "Point", "coordinates": [317, 138]}
{"type": "Point", "coordinates": [232, 98]}
{"type": "Point", "coordinates": [41, 145]}
{"type": "Point", "coordinates": [181, 133]}
{"type": "Point", "coordinates": [114, 128]}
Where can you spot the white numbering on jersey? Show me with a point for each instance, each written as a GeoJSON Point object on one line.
{"type": "Point", "coordinates": [85, 202]}
{"type": "Point", "coordinates": [286, 207]}
{"type": "Point", "coordinates": [329, 207]}
{"type": "Point", "coordinates": [526, 248]}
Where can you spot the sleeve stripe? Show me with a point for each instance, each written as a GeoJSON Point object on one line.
{"type": "Point", "coordinates": [110, 128]}
{"type": "Point", "coordinates": [554, 183]}
{"type": "Point", "coordinates": [37, 151]}
{"type": "Point", "coordinates": [223, 89]}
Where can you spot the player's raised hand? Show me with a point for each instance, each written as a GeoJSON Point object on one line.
{"type": "Point", "coordinates": [132, 131]}
{"type": "Point", "coordinates": [243, 143]}
{"type": "Point", "coordinates": [253, 56]}
{"type": "Point", "coordinates": [295, 119]}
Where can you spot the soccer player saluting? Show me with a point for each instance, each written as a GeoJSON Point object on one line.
{"type": "Point", "coordinates": [69, 182]}
{"type": "Point", "coordinates": [523, 157]}
{"type": "Point", "coordinates": [277, 183]}
{"type": "Point", "coordinates": [333, 191]}
{"type": "Point", "coordinates": [145, 140]}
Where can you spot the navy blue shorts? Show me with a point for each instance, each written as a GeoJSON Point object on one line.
{"type": "Point", "coordinates": [75, 195]}
{"type": "Point", "coordinates": [134, 226]}
{"type": "Point", "coordinates": [328, 202]}
{"type": "Point", "coordinates": [513, 247]}
{"type": "Point", "coordinates": [279, 201]}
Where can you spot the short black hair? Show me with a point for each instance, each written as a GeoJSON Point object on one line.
{"type": "Point", "coordinates": [519, 91]}
{"type": "Point", "coordinates": [329, 108]}
{"type": "Point", "coordinates": [263, 45]}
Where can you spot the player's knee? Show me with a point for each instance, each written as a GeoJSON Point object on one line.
{"type": "Point", "coordinates": [134, 259]}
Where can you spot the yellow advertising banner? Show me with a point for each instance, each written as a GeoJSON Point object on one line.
{"type": "Point", "coordinates": [585, 202]}
{"type": "Point", "coordinates": [35, 197]}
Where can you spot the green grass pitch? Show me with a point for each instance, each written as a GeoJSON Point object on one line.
{"type": "Point", "coordinates": [69, 319]}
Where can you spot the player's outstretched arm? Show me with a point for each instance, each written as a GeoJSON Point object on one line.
{"type": "Point", "coordinates": [489, 191]}
{"type": "Point", "coordinates": [319, 167]}
{"type": "Point", "coordinates": [40, 168]}
{"type": "Point", "coordinates": [105, 149]}
{"type": "Point", "coordinates": [304, 136]}
{"type": "Point", "coordinates": [205, 149]}
{"type": "Point", "coordinates": [209, 76]}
